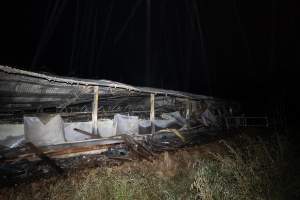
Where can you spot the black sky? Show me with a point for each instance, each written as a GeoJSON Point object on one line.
{"type": "Point", "coordinates": [242, 50]}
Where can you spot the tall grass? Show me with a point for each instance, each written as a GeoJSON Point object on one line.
{"type": "Point", "coordinates": [246, 168]}
{"type": "Point", "coordinates": [251, 169]}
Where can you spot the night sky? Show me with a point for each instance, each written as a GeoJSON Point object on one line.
{"type": "Point", "coordinates": [242, 50]}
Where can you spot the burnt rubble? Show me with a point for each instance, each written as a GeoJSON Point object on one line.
{"type": "Point", "coordinates": [50, 124]}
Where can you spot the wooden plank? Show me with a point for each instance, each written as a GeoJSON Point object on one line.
{"type": "Point", "coordinates": [95, 111]}
{"type": "Point", "coordinates": [63, 152]}
{"type": "Point", "coordinates": [152, 113]}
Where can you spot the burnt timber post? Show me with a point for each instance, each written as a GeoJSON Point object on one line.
{"type": "Point", "coordinates": [45, 158]}
{"type": "Point", "coordinates": [152, 113]}
{"type": "Point", "coordinates": [95, 111]}
{"type": "Point", "coordinates": [188, 112]}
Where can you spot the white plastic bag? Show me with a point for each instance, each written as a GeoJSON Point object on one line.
{"type": "Point", "coordinates": [126, 124]}
{"type": "Point", "coordinates": [44, 130]}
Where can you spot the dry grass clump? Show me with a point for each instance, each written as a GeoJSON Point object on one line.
{"type": "Point", "coordinates": [251, 169]}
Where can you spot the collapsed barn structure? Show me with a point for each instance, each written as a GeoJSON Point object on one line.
{"type": "Point", "coordinates": [63, 120]}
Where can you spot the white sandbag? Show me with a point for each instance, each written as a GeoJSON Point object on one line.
{"type": "Point", "coordinates": [44, 130]}
{"type": "Point", "coordinates": [11, 135]}
{"type": "Point", "coordinates": [208, 119]}
{"type": "Point", "coordinates": [175, 117]}
{"type": "Point", "coordinates": [106, 128]}
{"type": "Point", "coordinates": [163, 123]}
{"type": "Point", "coordinates": [72, 135]}
{"type": "Point", "coordinates": [126, 124]}
{"type": "Point", "coordinates": [12, 141]}
{"type": "Point", "coordinates": [144, 126]}
{"type": "Point", "coordinates": [11, 130]}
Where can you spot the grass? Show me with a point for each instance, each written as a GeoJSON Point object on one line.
{"type": "Point", "coordinates": [243, 168]}
{"type": "Point", "coordinates": [256, 169]}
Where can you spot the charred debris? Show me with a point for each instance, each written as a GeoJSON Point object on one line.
{"type": "Point", "coordinates": [50, 124]}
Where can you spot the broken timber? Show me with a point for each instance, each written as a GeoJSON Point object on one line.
{"type": "Point", "coordinates": [45, 158]}
{"type": "Point", "coordinates": [137, 148]}
{"type": "Point", "coordinates": [24, 92]}
{"type": "Point", "coordinates": [93, 136]}
{"type": "Point", "coordinates": [188, 113]}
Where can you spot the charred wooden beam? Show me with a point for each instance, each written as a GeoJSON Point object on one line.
{"type": "Point", "coordinates": [62, 152]}
{"type": "Point", "coordinates": [188, 113]}
{"type": "Point", "coordinates": [45, 158]}
{"type": "Point", "coordinates": [134, 146]}
{"type": "Point", "coordinates": [93, 136]}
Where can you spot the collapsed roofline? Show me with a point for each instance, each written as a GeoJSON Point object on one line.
{"type": "Point", "coordinates": [101, 83]}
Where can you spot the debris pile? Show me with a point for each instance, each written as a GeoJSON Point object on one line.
{"type": "Point", "coordinates": [50, 124]}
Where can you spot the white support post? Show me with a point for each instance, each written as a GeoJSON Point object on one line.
{"type": "Point", "coordinates": [95, 111]}
{"type": "Point", "coordinates": [152, 113]}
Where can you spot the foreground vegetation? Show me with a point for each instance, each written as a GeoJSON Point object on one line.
{"type": "Point", "coordinates": [242, 168]}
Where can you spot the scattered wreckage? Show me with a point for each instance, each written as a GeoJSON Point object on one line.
{"type": "Point", "coordinates": [52, 123]}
